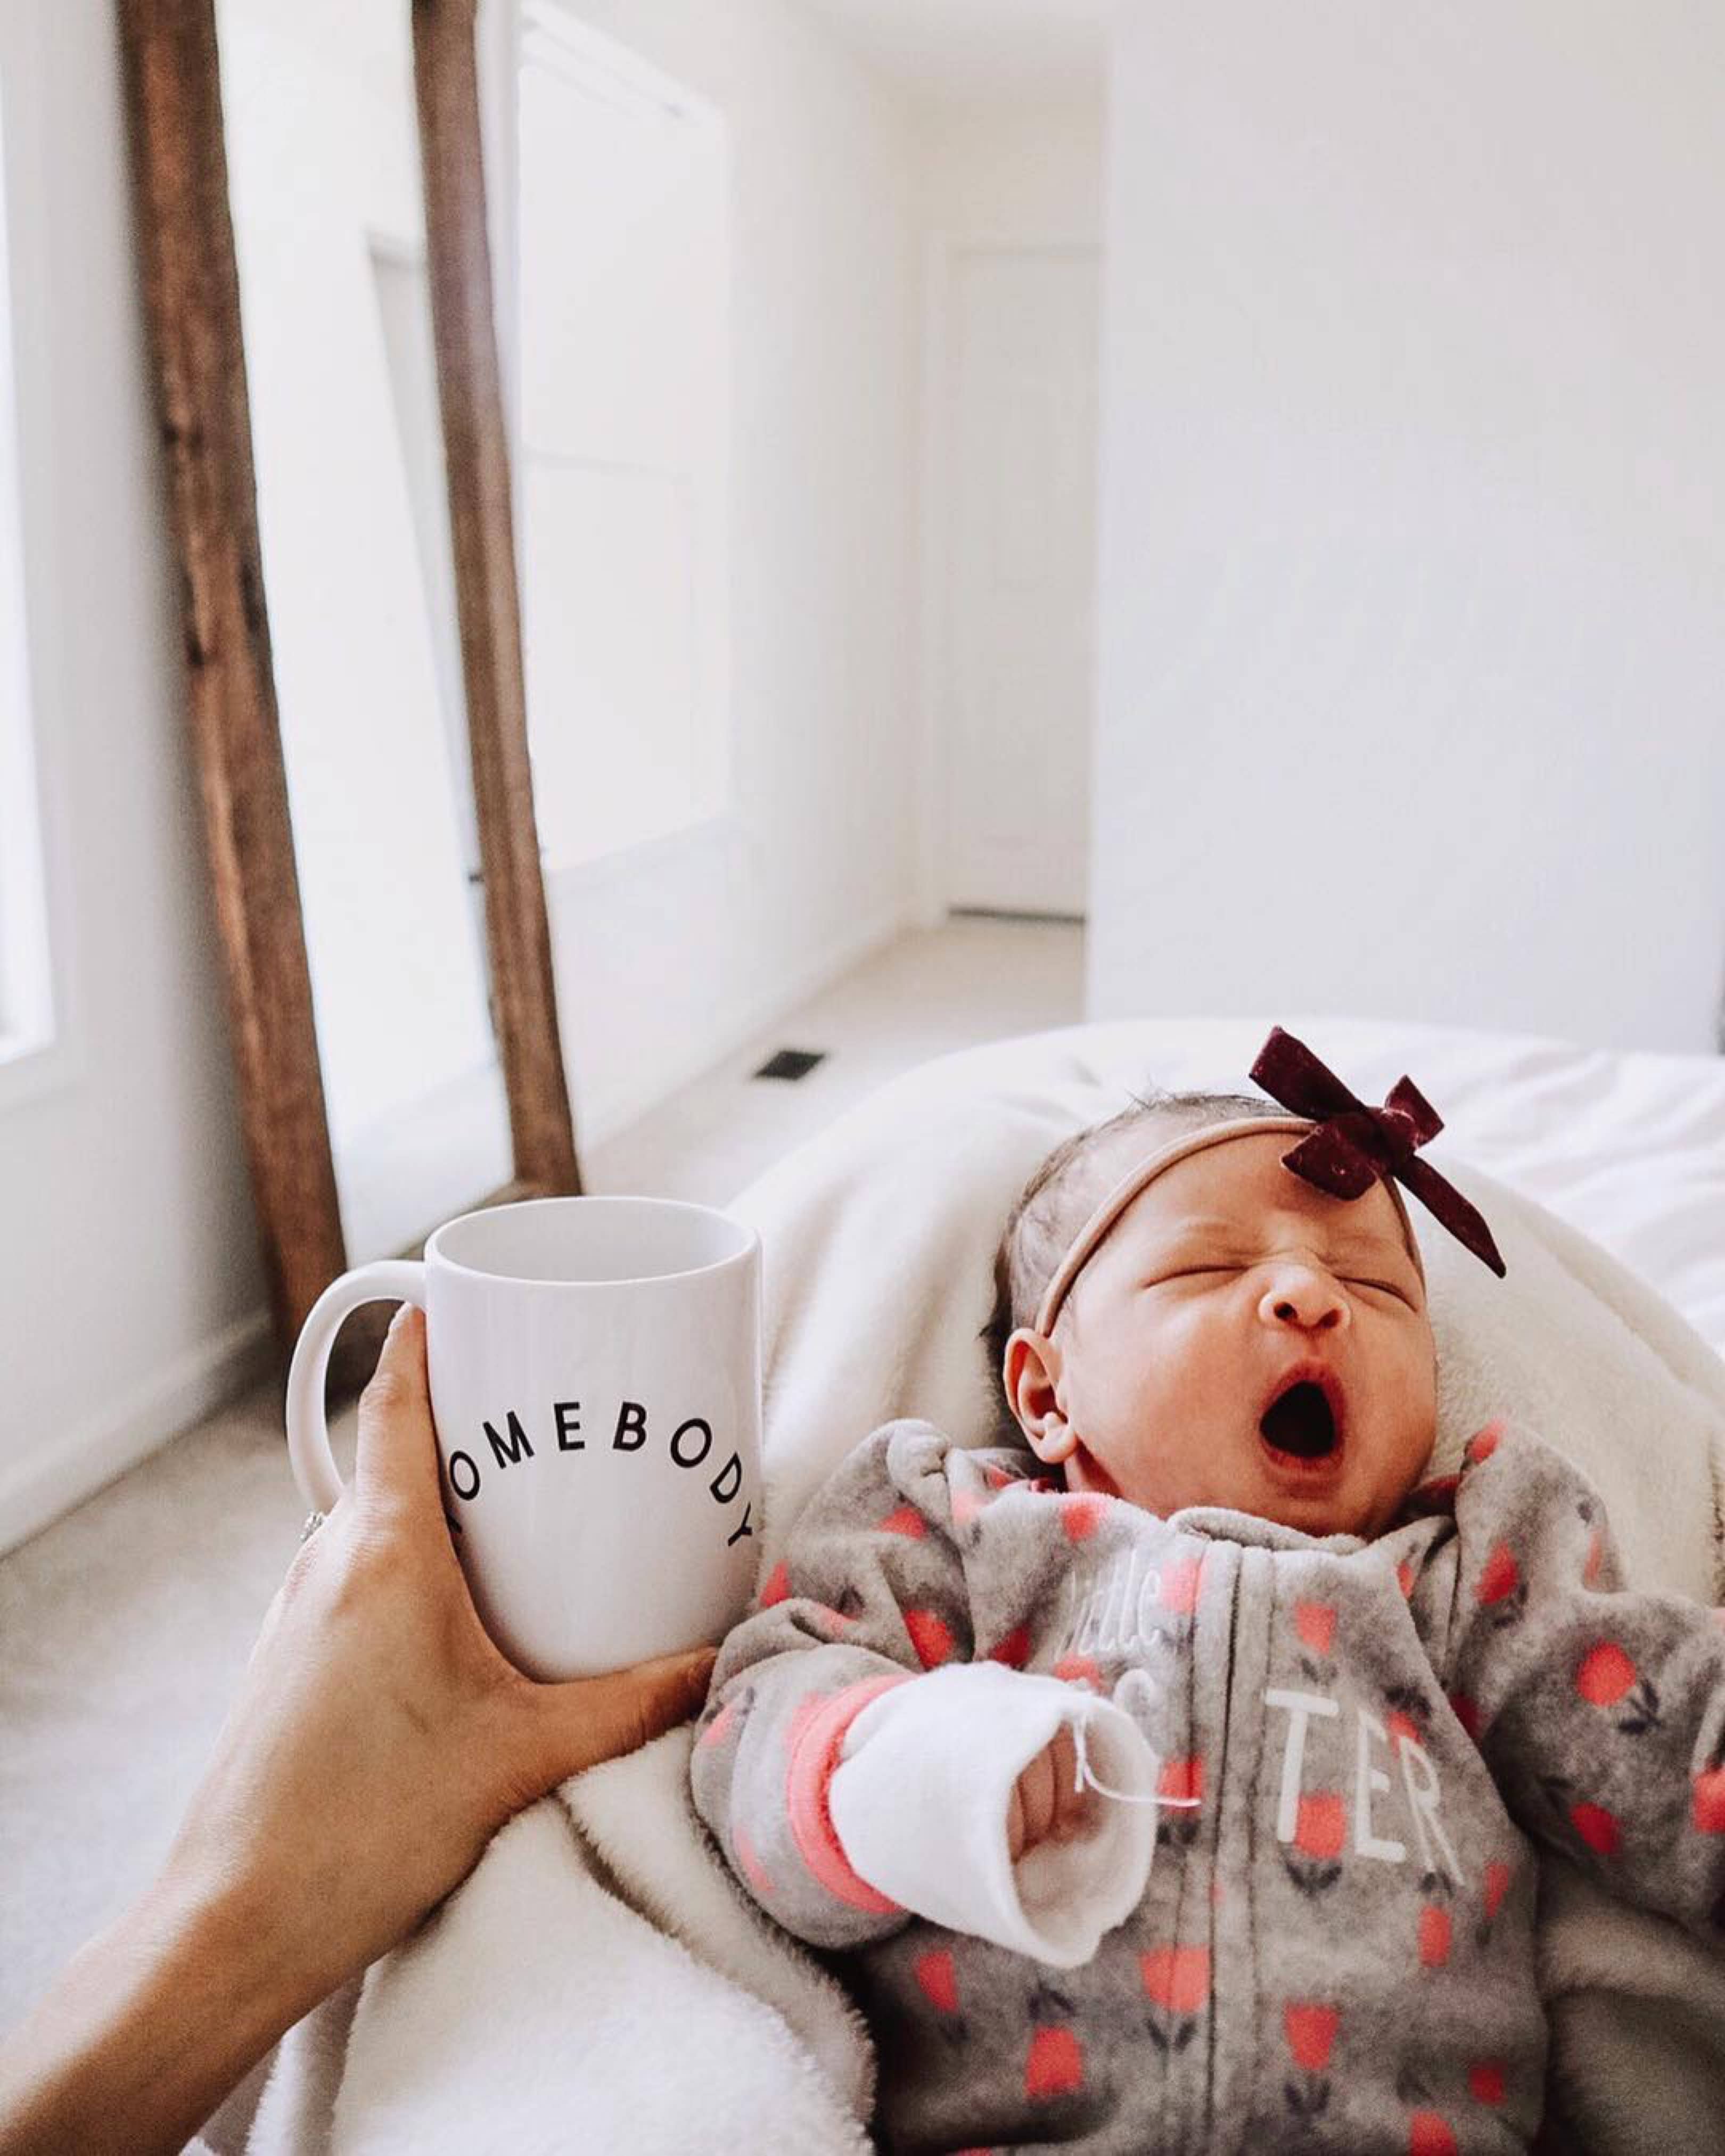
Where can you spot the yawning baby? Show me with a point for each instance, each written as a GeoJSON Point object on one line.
{"type": "Point", "coordinates": [1212, 1617]}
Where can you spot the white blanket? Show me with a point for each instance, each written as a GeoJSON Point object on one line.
{"type": "Point", "coordinates": [599, 1983]}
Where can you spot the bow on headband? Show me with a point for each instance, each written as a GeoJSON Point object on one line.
{"type": "Point", "coordinates": [1353, 1145]}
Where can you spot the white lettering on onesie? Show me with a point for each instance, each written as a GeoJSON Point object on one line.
{"type": "Point", "coordinates": [1420, 1780]}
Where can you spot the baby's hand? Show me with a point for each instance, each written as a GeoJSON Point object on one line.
{"type": "Point", "coordinates": [1048, 1802]}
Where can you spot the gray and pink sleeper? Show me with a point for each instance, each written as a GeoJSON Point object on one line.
{"type": "Point", "coordinates": [1320, 1934]}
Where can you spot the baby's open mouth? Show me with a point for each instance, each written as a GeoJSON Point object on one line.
{"type": "Point", "coordinates": [1302, 1421]}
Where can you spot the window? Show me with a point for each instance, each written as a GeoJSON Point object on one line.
{"type": "Point", "coordinates": [26, 999]}
{"type": "Point", "coordinates": [625, 404]}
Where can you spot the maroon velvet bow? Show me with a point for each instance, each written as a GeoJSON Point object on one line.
{"type": "Point", "coordinates": [1353, 1145]}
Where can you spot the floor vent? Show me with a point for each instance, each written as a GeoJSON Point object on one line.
{"type": "Point", "coordinates": [1013, 913]}
{"type": "Point", "coordinates": [792, 1063]}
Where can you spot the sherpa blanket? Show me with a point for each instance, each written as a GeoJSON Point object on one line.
{"type": "Point", "coordinates": [599, 1983]}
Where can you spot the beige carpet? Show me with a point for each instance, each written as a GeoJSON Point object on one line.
{"type": "Point", "coordinates": [125, 1625]}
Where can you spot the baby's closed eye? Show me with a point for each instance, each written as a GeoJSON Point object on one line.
{"type": "Point", "coordinates": [1227, 1270]}
{"type": "Point", "coordinates": [1383, 1287]}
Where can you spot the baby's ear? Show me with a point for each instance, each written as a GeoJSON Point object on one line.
{"type": "Point", "coordinates": [1030, 1370]}
{"type": "Point", "coordinates": [1055, 1446]}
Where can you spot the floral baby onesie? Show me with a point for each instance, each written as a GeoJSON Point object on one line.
{"type": "Point", "coordinates": [1322, 1937]}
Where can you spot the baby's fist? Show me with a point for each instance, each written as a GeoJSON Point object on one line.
{"type": "Point", "coordinates": [1049, 1802]}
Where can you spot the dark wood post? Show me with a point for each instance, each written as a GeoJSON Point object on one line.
{"type": "Point", "coordinates": [481, 523]}
{"type": "Point", "coordinates": [191, 289]}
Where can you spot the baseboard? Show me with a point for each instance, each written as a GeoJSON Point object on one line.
{"type": "Point", "coordinates": [602, 1120]}
{"type": "Point", "coordinates": [35, 1492]}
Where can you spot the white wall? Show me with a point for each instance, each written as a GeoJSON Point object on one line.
{"type": "Point", "coordinates": [131, 1293]}
{"type": "Point", "coordinates": [1012, 171]}
{"type": "Point", "coordinates": [1413, 636]}
{"type": "Point", "coordinates": [669, 957]}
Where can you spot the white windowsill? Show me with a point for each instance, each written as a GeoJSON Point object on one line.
{"type": "Point", "coordinates": [32, 1070]}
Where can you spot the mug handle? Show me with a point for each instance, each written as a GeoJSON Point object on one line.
{"type": "Point", "coordinates": [386, 1280]}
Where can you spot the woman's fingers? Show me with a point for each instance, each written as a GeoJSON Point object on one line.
{"type": "Point", "coordinates": [397, 1443]}
{"type": "Point", "coordinates": [595, 1718]}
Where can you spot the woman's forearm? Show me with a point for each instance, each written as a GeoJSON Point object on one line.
{"type": "Point", "coordinates": [378, 1740]}
{"type": "Point", "coordinates": [148, 2027]}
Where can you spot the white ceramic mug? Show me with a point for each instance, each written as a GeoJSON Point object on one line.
{"type": "Point", "coordinates": [595, 1368]}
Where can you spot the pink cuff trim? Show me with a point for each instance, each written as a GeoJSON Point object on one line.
{"type": "Point", "coordinates": [814, 1758]}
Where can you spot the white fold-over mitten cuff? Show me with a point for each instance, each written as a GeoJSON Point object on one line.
{"type": "Point", "coordinates": [919, 1801]}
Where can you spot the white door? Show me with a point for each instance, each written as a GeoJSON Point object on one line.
{"type": "Point", "coordinates": [1020, 576]}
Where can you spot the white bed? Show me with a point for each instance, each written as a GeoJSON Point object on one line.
{"type": "Point", "coordinates": [603, 1908]}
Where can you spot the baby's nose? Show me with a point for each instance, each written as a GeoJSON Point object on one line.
{"type": "Point", "coordinates": [1303, 1295]}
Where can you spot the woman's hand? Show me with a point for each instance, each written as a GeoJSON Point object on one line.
{"type": "Point", "coordinates": [378, 1740]}
{"type": "Point", "coordinates": [1049, 1802]}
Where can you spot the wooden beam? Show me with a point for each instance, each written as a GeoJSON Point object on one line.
{"type": "Point", "coordinates": [190, 287]}
{"type": "Point", "coordinates": [482, 530]}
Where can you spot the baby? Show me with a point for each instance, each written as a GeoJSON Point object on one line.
{"type": "Point", "coordinates": [1176, 1796]}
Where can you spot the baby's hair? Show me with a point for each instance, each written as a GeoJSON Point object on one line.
{"type": "Point", "coordinates": [1066, 1189]}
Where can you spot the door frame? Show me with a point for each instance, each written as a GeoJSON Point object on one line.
{"type": "Point", "coordinates": [943, 252]}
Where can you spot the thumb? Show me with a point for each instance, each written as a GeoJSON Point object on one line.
{"type": "Point", "coordinates": [396, 1450]}
{"type": "Point", "coordinates": [595, 1718]}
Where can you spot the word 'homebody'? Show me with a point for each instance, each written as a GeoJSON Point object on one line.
{"type": "Point", "coordinates": [691, 1445]}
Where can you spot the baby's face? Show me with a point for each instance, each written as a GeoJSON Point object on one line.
{"type": "Point", "coordinates": [1226, 1279]}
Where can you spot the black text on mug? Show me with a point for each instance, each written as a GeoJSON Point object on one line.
{"type": "Point", "coordinates": [691, 1445]}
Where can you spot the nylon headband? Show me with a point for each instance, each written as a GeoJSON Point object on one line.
{"type": "Point", "coordinates": [1083, 1246]}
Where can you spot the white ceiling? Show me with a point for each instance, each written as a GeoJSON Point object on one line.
{"type": "Point", "coordinates": [979, 48]}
